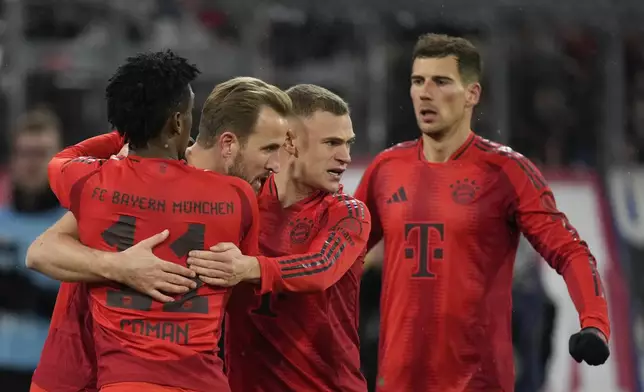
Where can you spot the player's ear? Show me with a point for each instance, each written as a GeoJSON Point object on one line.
{"type": "Point", "coordinates": [472, 94]}
{"type": "Point", "coordinates": [289, 143]}
{"type": "Point", "coordinates": [175, 124]}
{"type": "Point", "coordinates": [228, 144]}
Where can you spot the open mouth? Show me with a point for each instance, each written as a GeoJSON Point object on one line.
{"type": "Point", "coordinates": [335, 173]}
{"type": "Point", "coordinates": [428, 112]}
{"type": "Point", "coordinates": [428, 115]}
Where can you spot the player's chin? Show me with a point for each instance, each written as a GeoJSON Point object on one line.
{"type": "Point", "coordinates": [332, 184]}
{"type": "Point", "coordinates": [430, 128]}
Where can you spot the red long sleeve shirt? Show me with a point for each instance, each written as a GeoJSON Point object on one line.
{"type": "Point", "coordinates": [299, 330]}
{"type": "Point", "coordinates": [68, 359]}
{"type": "Point", "coordinates": [451, 233]}
{"type": "Point", "coordinates": [120, 202]}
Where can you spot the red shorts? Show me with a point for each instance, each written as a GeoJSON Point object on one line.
{"type": "Point", "coordinates": [137, 387]}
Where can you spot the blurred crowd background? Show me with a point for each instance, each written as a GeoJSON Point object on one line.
{"type": "Point", "coordinates": [563, 84]}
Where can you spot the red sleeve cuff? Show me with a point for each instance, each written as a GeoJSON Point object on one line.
{"type": "Point", "coordinates": [269, 274]}
{"type": "Point", "coordinates": [599, 324]}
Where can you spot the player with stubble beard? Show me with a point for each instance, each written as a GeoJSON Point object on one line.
{"type": "Point", "coordinates": [450, 207]}
{"type": "Point", "coordinates": [301, 302]}
{"type": "Point", "coordinates": [243, 141]}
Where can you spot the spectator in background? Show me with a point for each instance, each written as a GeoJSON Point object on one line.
{"type": "Point", "coordinates": [26, 297]}
{"type": "Point", "coordinates": [532, 320]}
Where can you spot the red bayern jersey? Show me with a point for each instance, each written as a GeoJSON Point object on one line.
{"type": "Point", "coordinates": [68, 361]}
{"type": "Point", "coordinates": [299, 330]}
{"type": "Point", "coordinates": [124, 201]}
{"type": "Point", "coordinates": [451, 232]}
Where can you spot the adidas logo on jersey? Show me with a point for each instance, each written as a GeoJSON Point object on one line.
{"type": "Point", "coordinates": [399, 196]}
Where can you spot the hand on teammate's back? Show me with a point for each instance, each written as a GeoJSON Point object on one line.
{"type": "Point", "coordinates": [223, 265]}
{"type": "Point", "coordinates": [138, 268]}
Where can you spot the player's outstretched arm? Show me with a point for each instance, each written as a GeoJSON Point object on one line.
{"type": "Point", "coordinates": [59, 254]}
{"type": "Point", "coordinates": [334, 250]}
{"type": "Point", "coordinates": [559, 243]}
{"type": "Point", "coordinates": [75, 162]}
{"type": "Point", "coordinates": [60, 243]}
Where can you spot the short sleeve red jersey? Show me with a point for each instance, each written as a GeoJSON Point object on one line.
{"type": "Point", "coordinates": [299, 330]}
{"type": "Point", "coordinates": [125, 201]}
{"type": "Point", "coordinates": [451, 232]}
{"type": "Point", "coordinates": [68, 362]}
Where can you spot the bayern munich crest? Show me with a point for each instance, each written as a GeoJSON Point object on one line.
{"type": "Point", "coordinates": [464, 191]}
{"type": "Point", "coordinates": [301, 230]}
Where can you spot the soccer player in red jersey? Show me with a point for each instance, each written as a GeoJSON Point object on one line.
{"type": "Point", "coordinates": [322, 154]}
{"type": "Point", "coordinates": [180, 338]}
{"type": "Point", "coordinates": [248, 149]}
{"type": "Point", "coordinates": [450, 207]}
{"type": "Point", "coordinates": [298, 329]}
{"type": "Point", "coordinates": [70, 326]}
{"type": "Point", "coordinates": [115, 202]}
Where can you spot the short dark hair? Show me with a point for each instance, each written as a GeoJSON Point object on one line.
{"type": "Point", "coordinates": [145, 91]}
{"type": "Point", "coordinates": [309, 98]}
{"type": "Point", "coordinates": [441, 45]}
{"type": "Point", "coordinates": [234, 106]}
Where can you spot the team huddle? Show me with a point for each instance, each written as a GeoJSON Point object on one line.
{"type": "Point", "coordinates": [166, 240]}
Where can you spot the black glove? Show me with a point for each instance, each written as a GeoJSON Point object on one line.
{"type": "Point", "coordinates": [589, 345]}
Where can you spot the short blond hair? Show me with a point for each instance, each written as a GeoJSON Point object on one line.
{"type": "Point", "coordinates": [234, 106]}
{"type": "Point", "coordinates": [310, 98]}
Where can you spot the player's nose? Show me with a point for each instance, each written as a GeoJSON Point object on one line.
{"type": "Point", "coordinates": [273, 163]}
{"type": "Point", "coordinates": [426, 94]}
{"type": "Point", "coordinates": [343, 155]}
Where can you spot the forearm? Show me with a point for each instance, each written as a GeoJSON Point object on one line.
{"type": "Point", "coordinates": [98, 147]}
{"type": "Point", "coordinates": [586, 291]}
{"type": "Point", "coordinates": [273, 279]}
{"type": "Point", "coordinates": [62, 257]}
{"type": "Point", "coordinates": [101, 146]}
{"type": "Point", "coordinates": [562, 248]}
{"type": "Point", "coordinates": [313, 273]}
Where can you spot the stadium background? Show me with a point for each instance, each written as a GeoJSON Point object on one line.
{"type": "Point", "coordinates": [563, 84]}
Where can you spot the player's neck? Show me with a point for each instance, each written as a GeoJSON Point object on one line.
{"type": "Point", "coordinates": [205, 159]}
{"type": "Point", "coordinates": [440, 148]}
{"type": "Point", "coordinates": [289, 190]}
{"type": "Point", "coordinates": [155, 151]}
